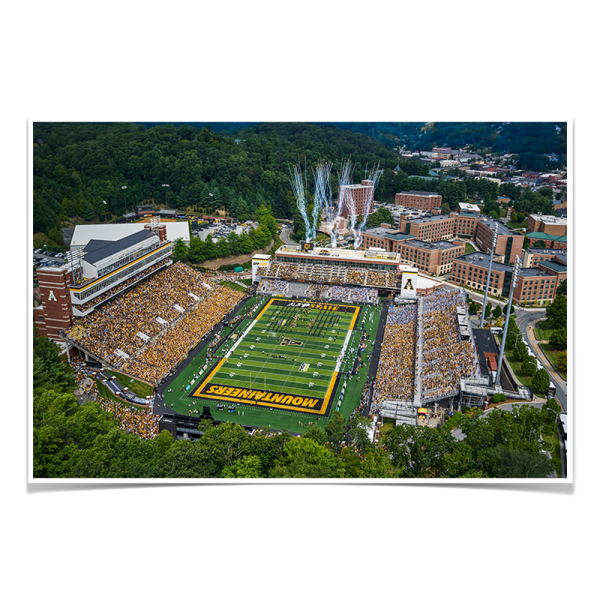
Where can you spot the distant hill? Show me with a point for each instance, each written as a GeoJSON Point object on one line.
{"type": "Point", "coordinates": [530, 140]}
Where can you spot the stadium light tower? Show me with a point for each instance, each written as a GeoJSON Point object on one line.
{"type": "Point", "coordinates": [165, 185]}
{"type": "Point", "coordinates": [487, 285]}
{"type": "Point", "coordinates": [124, 187]}
{"type": "Point", "coordinates": [515, 281]}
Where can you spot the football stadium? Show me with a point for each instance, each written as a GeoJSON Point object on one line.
{"type": "Point", "coordinates": [319, 330]}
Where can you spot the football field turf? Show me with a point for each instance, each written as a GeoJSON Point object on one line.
{"type": "Point", "coordinates": [287, 358]}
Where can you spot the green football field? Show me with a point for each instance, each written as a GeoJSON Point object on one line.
{"type": "Point", "coordinates": [286, 358]}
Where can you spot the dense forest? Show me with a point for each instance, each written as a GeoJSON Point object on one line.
{"type": "Point", "coordinates": [79, 169]}
{"type": "Point", "coordinates": [99, 171]}
{"type": "Point", "coordinates": [84, 441]}
{"type": "Point", "coordinates": [530, 140]}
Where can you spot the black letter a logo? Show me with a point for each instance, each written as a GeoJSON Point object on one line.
{"type": "Point", "coordinates": [409, 285]}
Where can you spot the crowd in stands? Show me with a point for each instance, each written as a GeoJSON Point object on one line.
{"type": "Point", "coordinates": [329, 274]}
{"type": "Point", "coordinates": [140, 422]}
{"type": "Point", "coordinates": [162, 355]}
{"type": "Point", "coordinates": [111, 332]}
{"type": "Point", "coordinates": [331, 292]}
{"type": "Point", "coordinates": [395, 379]}
{"type": "Point", "coordinates": [353, 294]}
{"type": "Point", "coordinates": [272, 286]}
{"type": "Point", "coordinates": [446, 358]}
{"type": "Point", "coordinates": [118, 288]}
{"type": "Point", "coordinates": [381, 278]}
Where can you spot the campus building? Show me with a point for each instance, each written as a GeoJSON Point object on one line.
{"type": "Point", "coordinates": [533, 256]}
{"type": "Point", "coordinates": [358, 195]}
{"type": "Point", "coordinates": [419, 200]}
{"type": "Point", "coordinates": [432, 257]}
{"type": "Point", "coordinates": [509, 243]}
{"type": "Point", "coordinates": [430, 229]}
{"type": "Point", "coordinates": [535, 284]}
{"type": "Point", "coordinates": [95, 274]}
{"type": "Point", "coordinates": [550, 224]}
{"type": "Point", "coordinates": [553, 242]}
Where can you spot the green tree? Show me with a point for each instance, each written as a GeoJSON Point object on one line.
{"type": "Point", "coordinates": [561, 290]}
{"type": "Point", "coordinates": [556, 313]}
{"type": "Point", "coordinates": [559, 338]}
{"type": "Point", "coordinates": [504, 462]}
{"type": "Point", "coordinates": [163, 441]}
{"type": "Point", "coordinates": [336, 430]}
{"type": "Point", "coordinates": [497, 312]}
{"type": "Point", "coordinates": [529, 366]}
{"type": "Point", "coordinates": [540, 381]}
{"type": "Point", "coordinates": [562, 361]}
{"type": "Point", "coordinates": [180, 250]}
{"type": "Point", "coordinates": [244, 468]}
{"type": "Point", "coordinates": [539, 244]}
{"type": "Point", "coordinates": [304, 457]}
{"type": "Point", "coordinates": [87, 212]}
{"type": "Point", "coordinates": [358, 432]}
{"type": "Point", "coordinates": [377, 464]}
{"type": "Point", "coordinates": [224, 444]}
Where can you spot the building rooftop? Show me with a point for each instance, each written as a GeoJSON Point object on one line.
{"type": "Point", "coordinates": [548, 252]}
{"type": "Point", "coordinates": [113, 247]}
{"type": "Point", "coordinates": [340, 253]}
{"type": "Point", "coordinates": [482, 259]}
{"type": "Point", "coordinates": [441, 245]}
{"type": "Point", "coordinates": [533, 272]}
{"type": "Point", "coordinates": [502, 228]}
{"type": "Point", "coordinates": [416, 193]}
{"type": "Point", "coordinates": [112, 232]}
{"type": "Point", "coordinates": [549, 219]}
{"type": "Point", "coordinates": [431, 218]}
{"type": "Point", "coordinates": [554, 266]}
{"type": "Point", "coordinates": [537, 235]}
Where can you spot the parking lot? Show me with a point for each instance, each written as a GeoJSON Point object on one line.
{"type": "Point", "coordinates": [222, 230]}
{"type": "Point", "coordinates": [45, 258]}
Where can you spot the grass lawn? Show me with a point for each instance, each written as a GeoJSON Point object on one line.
{"type": "Point", "coordinates": [552, 354]}
{"type": "Point", "coordinates": [469, 248]}
{"type": "Point", "coordinates": [233, 286]}
{"type": "Point", "coordinates": [515, 225]}
{"type": "Point", "coordinates": [106, 393]}
{"type": "Point", "coordinates": [516, 367]}
{"type": "Point", "coordinates": [543, 331]}
{"type": "Point", "coordinates": [141, 390]}
{"type": "Point", "coordinates": [246, 281]}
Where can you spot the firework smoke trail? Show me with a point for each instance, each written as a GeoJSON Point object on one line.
{"type": "Point", "coordinates": [322, 176]}
{"type": "Point", "coordinates": [373, 177]}
{"type": "Point", "coordinates": [345, 178]}
{"type": "Point", "coordinates": [299, 189]}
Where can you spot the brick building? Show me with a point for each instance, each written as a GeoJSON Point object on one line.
{"type": "Point", "coordinates": [550, 224]}
{"type": "Point", "coordinates": [359, 195]}
{"type": "Point", "coordinates": [430, 229]}
{"type": "Point", "coordinates": [536, 284]}
{"type": "Point", "coordinates": [533, 256]}
{"type": "Point", "coordinates": [555, 242]}
{"type": "Point", "coordinates": [55, 313]}
{"type": "Point", "coordinates": [419, 200]}
{"type": "Point", "coordinates": [470, 270]}
{"type": "Point", "coordinates": [432, 257]}
{"type": "Point", "coordinates": [509, 243]}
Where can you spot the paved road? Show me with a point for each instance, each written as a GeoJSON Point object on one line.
{"type": "Point", "coordinates": [285, 236]}
{"type": "Point", "coordinates": [526, 321]}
